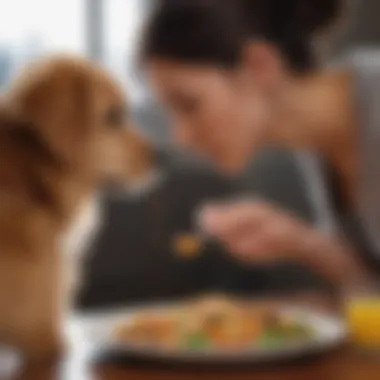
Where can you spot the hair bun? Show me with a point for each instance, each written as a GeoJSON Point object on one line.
{"type": "Point", "coordinates": [305, 16]}
{"type": "Point", "coordinates": [317, 15]}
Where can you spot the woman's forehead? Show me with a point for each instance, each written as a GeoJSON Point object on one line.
{"type": "Point", "coordinates": [183, 73]}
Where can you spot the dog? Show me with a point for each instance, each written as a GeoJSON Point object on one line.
{"type": "Point", "coordinates": [64, 130]}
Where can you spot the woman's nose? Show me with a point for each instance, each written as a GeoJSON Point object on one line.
{"type": "Point", "coordinates": [183, 135]}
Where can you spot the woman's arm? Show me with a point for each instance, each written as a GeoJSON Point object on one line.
{"type": "Point", "coordinates": [260, 233]}
{"type": "Point", "coordinates": [334, 259]}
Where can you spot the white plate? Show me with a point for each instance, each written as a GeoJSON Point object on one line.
{"type": "Point", "coordinates": [330, 332]}
{"type": "Point", "coordinates": [10, 363]}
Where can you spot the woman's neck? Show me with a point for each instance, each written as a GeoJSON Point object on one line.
{"type": "Point", "coordinates": [318, 113]}
{"type": "Point", "coordinates": [313, 112]}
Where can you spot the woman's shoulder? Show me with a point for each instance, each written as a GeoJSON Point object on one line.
{"type": "Point", "coordinates": [364, 61]}
{"type": "Point", "coordinates": [363, 67]}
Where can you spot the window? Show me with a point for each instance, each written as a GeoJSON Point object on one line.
{"type": "Point", "coordinates": [106, 29]}
{"type": "Point", "coordinates": [122, 31]}
{"type": "Point", "coordinates": [31, 28]}
{"type": "Point", "coordinates": [122, 22]}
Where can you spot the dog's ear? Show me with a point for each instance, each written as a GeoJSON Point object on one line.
{"type": "Point", "coordinates": [59, 102]}
{"type": "Point", "coordinates": [25, 154]}
{"type": "Point", "coordinates": [27, 137]}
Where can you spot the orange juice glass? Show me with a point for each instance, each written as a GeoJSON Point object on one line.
{"type": "Point", "coordinates": [363, 319]}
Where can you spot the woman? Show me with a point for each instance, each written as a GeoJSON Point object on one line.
{"type": "Point", "coordinates": [239, 74]}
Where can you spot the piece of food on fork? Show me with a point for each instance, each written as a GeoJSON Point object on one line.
{"type": "Point", "coordinates": [187, 245]}
{"type": "Point", "coordinates": [192, 243]}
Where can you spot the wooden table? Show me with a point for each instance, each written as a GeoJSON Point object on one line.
{"type": "Point", "coordinates": [342, 364]}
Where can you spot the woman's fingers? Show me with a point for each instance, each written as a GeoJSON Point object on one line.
{"type": "Point", "coordinates": [227, 220]}
{"type": "Point", "coordinates": [268, 243]}
{"type": "Point", "coordinates": [253, 231]}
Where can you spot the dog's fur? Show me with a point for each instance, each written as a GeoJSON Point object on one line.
{"type": "Point", "coordinates": [62, 132]}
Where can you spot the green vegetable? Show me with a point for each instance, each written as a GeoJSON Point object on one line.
{"type": "Point", "coordinates": [279, 335]}
{"type": "Point", "coordinates": [196, 342]}
{"type": "Point", "coordinates": [271, 339]}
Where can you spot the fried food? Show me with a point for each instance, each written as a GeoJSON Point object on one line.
{"type": "Point", "coordinates": [187, 245]}
{"type": "Point", "coordinates": [213, 322]}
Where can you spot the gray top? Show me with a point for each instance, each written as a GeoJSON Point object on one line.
{"type": "Point", "coordinates": [366, 69]}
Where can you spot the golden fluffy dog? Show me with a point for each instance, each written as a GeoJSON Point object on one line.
{"type": "Point", "coordinates": [62, 131]}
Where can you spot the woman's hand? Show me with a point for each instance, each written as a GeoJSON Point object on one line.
{"type": "Point", "coordinates": [257, 232]}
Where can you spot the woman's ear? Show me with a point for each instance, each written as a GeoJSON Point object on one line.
{"type": "Point", "coordinates": [263, 63]}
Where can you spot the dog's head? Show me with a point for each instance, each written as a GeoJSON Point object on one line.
{"type": "Point", "coordinates": [80, 113]}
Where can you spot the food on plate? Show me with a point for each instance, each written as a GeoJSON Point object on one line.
{"type": "Point", "coordinates": [214, 323]}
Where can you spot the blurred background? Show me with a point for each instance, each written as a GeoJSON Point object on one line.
{"type": "Point", "coordinates": [132, 259]}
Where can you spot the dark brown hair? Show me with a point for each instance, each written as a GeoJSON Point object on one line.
{"type": "Point", "coordinates": [215, 31]}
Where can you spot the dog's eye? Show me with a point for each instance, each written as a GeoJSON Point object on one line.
{"type": "Point", "coordinates": [115, 117]}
